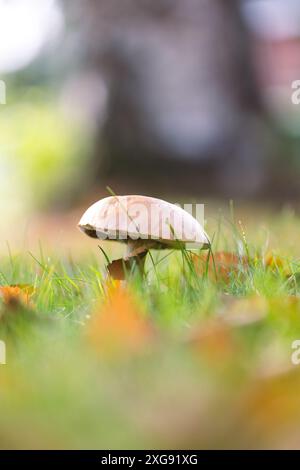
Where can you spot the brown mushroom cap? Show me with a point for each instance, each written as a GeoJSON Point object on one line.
{"type": "Point", "coordinates": [143, 221]}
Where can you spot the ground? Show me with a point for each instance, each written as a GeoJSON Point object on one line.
{"type": "Point", "coordinates": [198, 354]}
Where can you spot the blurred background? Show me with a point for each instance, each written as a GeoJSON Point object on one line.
{"type": "Point", "coordinates": [189, 101]}
{"type": "Point", "coordinates": [166, 98]}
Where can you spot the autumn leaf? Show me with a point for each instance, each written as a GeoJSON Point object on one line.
{"type": "Point", "coordinates": [118, 268]}
{"type": "Point", "coordinates": [16, 294]}
{"type": "Point", "coordinates": [277, 263]}
{"type": "Point", "coordinates": [271, 405]}
{"type": "Point", "coordinates": [119, 324]}
{"type": "Point", "coordinates": [213, 341]}
{"type": "Point", "coordinates": [220, 265]}
{"type": "Point", "coordinates": [273, 261]}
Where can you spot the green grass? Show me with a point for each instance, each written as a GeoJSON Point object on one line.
{"type": "Point", "coordinates": [217, 372]}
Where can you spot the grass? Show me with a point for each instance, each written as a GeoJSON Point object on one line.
{"type": "Point", "coordinates": [195, 355]}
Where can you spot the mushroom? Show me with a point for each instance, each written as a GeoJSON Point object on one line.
{"type": "Point", "coordinates": [142, 223]}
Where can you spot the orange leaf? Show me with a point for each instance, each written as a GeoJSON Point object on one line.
{"type": "Point", "coordinates": [220, 265]}
{"type": "Point", "coordinates": [273, 261]}
{"type": "Point", "coordinates": [272, 405]}
{"type": "Point", "coordinates": [119, 324]}
{"type": "Point", "coordinates": [277, 263]}
{"type": "Point", "coordinates": [118, 268]}
{"type": "Point", "coordinates": [213, 341]}
{"type": "Point", "coordinates": [16, 294]}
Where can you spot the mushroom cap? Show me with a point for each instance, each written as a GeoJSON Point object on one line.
{"type": "Point", "coordinates": [127, 218]}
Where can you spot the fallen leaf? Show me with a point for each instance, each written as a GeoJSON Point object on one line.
{"type": "Point", "coordinates": [213, 341]}
{"type": "Point", "coordinates": [119, 324]}
{"type": "Point", "coordinates": [273, 261]}
{"type": "Point", "coordinates": [271, 406]}
{"type": "Point", "coordinates": [16, 294]}
{"type": "Point", "coordinates": [277, 263]}
{"type": "Point", "coordinates": [119, 268]}
{"type": "Point", "coordinates": [220, 265]}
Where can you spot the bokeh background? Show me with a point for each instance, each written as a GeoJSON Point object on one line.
{"type": "Point", "coordinates": [173, 99]}
{"type": "Point", "coordinates": [189, 101]}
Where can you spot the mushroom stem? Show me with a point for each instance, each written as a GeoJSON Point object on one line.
{"type": "Point", "coordinates": [140, 262]}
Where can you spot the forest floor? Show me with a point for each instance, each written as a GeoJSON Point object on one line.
{"type": "Point", "coordinates": [198, 353]}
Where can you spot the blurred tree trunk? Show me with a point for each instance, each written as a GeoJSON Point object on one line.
{"type": "Point", "coordinates": [181, 92]}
